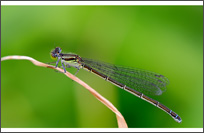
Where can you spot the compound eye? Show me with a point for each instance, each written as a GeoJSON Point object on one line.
{"type": "Point", "coordinates": [58, 50]}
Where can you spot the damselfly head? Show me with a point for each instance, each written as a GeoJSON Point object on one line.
{"type": "Point", "coordinates": [55, 53]}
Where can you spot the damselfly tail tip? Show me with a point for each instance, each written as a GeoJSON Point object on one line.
{"type": "Point", "coordinates": [178, 119]}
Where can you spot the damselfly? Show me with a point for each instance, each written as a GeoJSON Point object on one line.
{"type": "Point", "coordinates": [133, 80]}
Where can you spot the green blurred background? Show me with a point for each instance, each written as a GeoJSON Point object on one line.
{"type": "Point", "coordinates": [162, 39]}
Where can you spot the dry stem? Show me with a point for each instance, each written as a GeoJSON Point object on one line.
{"type": "Point", "coordinates": [120, 119]}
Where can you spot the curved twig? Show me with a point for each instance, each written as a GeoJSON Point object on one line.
{"type": "Point", "coordinates": [120, 119]}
